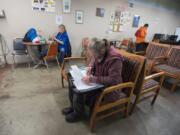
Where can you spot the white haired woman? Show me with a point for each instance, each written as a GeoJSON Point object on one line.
{"type": "Point", "coordinates": [106, 70]}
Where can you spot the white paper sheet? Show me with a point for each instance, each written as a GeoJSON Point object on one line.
{"type": "Point", "coordinates": [77, 75]}
{"type": "Point", "coordinates": [59, 19]}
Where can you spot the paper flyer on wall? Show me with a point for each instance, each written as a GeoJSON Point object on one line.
{"type": "Point", "coordinates": [43, 5]}
{"type": "Point", "coordinates": [59, 19]}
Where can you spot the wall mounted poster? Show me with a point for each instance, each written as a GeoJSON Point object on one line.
{"type": "Point", "coordinates": [100, 12]}
{"type": "Point", "coordinates": [116, 23]}
{"type": "Point", "coordinates": [43, 5]}
{"type": "Point", "coordinates": [111, 19]}
{"type": "Point", "coordinates": [66, 6]}
{"type": "Point", "coordinates": [79, 16]}
{"type": "Point", "coordinates": [59, 19]}
{"type": "Point", "coordinates": [136, 21]}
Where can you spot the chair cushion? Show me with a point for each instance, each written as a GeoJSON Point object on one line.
{"type": "Point", "coordinates": [155, 50]}
{"type": "Point", "coordinates": [150, 84]}
{"type": "Point", "coordinates": [174, 57]}
{"type": "Point", "coordinates": [167, 68]}
{"type": "Point", "coordinates": [127, 70]}
{"type": "Point", "coordinates": [114, 96]}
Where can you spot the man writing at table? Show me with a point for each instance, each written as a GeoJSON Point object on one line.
{"type": "Point", "coordinates": [106, 70]}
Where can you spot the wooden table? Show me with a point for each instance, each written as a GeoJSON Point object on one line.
{"type": "Point", "coordinates": [39, 45]}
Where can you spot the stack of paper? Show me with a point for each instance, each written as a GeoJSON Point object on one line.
{"type": "Point", "coordinates": [77, 75]}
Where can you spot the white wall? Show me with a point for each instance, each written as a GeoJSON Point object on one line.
{"type": "Point", "coordinates": [20, 17]}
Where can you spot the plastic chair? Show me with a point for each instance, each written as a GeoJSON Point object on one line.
{"type": "Point", "coordinates": [19, 49]}
{"type": "Point", "coordinates": [51, 54]}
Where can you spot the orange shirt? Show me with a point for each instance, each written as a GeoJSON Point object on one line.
{"type": "Point", "coordinates": [142, 35]}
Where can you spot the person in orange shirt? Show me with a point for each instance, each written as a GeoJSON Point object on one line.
{"type": "Point", "coordinates": [140, 37]}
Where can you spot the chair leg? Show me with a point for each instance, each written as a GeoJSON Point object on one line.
{"type": "Point", "coordinates": [29, 65]}
{"type": "Point", "coordinates": [58, 62]}
{"type": "Point", "coordinates": [127, 109]}
{"type": "Point", "coordinates": [14, 63]}
{"type": "Point", "coordinates": [92, 122]}
{"type": "Point", "coordinates": [155, 96]}
{"type": "Point", "coordinates": [174, 85]}
{"type": "Point", "coordinates": [134, 104]}
{"type": "Point", "coordinates": [62, 81]}
{"type": "Point", "coordinates": [46, 63]}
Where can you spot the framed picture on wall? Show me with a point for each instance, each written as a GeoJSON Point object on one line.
{"type": "Point", "coordinates": [79, 16]}
{"type": "Point", "coordinates": [66, 6]}
{"type": "Point", "coordinates": [136, 19]}
{"type": "Point", "coordinates": [100, 12]}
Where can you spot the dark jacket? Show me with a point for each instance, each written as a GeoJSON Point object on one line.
{"type": "Point", "coordinates": [30, 35]}
{"type": "Point", "coordinates": [108, 72]}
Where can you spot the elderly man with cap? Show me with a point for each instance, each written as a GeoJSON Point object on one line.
{"type": "Point", "coordinates": [105, 70]}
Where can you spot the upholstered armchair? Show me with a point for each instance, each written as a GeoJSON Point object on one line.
{"type": "Point", "coordinates": [170, 65]}
{"type": "Point", "coordinates": [155, 51]}
{"type": "Point", "coordinates": [132, 66]}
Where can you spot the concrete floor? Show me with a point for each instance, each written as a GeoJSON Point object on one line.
{"type": "Point", "coordinates": [33, 98]}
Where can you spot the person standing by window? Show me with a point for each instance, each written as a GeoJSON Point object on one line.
{"type": "Point", "coordinates": [64, 47]}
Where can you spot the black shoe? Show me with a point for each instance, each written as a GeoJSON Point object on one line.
{"type": "Point", "coordinates": [67, 110]}
{"type": "Point", "coordinates": [73, 117]}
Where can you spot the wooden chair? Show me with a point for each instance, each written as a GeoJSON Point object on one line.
{"type": "Point", "coordinates": [51, 53]}
{"type": "Point", "coordinates": [84, 44]}
{"type": "Point", "coordinates": [147, 87]}
{"type": "Point", "coordinates": [155, 51]}
{"type": "Point", "coordinates": [143, 52]}
{"type": "Point", "coordinates": [127, 45]}
{"type": "Point", "coordinates": [85, 51]}
{"type": "Point", "coordinates": [170, 65]}
{"type": "Point", "coordinates": [19, 49]}
{"type": "Point", "coordinates": [66, 65]}
{"type": "Point", "coordinates": [132, 66]}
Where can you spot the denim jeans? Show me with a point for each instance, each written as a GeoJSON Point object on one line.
{"type": "Point", "coordinates": [61, 55]}
{"type": "Point", "coordinates": [141, 46]}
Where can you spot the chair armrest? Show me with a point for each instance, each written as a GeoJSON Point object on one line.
{"type": "Point", "coordinates": [140, 53]}
{"type": "Point", "coordinates": [71, 59]}
{"type": "Point", "coordinates": [74, 58]}
{"type": "Point", "coordinates": [114, 88]}
{"type": "Point", "coordinates": [160, 57]}
{"type": "Point", "coordinates": [117, 87]}
{"type": "Point", "coordinates": [153, 76]}
{"type": "Point", "coordinates": [159, 60]}
{"type": "Point", "coordinates": [156, 75]}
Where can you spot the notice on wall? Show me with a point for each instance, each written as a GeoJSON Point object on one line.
{"type": "Point", "coordinates": [136, 20]}
{"type": "Point", "coordinates": [66, 6]}
{"type": "Point", "coordinates": [43, 5]}
{"type": "Point", "coordinates": [59, 19]}
{"type": "Point", "coordinates": [119, 19]}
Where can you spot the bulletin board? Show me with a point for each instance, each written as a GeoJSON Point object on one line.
{"type": "Point", "coordinates": [43, 5]}
{"type": "Point", "coordinates": [119, 19]}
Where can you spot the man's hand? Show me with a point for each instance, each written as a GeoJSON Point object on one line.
{"type": "Point", "coordinates": [86, 79]}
